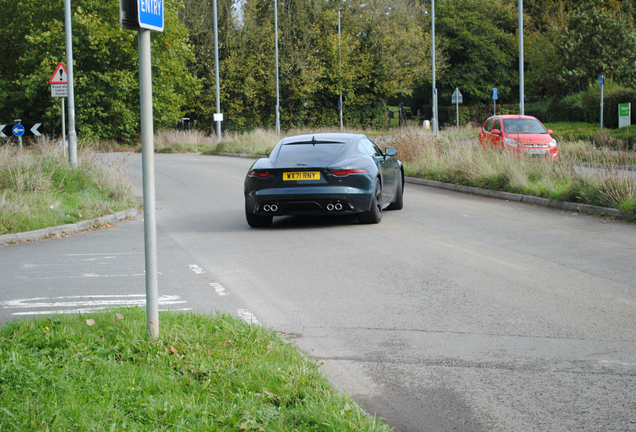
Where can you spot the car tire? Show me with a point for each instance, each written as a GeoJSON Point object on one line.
{"type": "Point", "coordinates": [374, 214]}
{"type": "Point", "coordinates": [399, 195]}
{"type": "Point", "coordinates": [258, 221]}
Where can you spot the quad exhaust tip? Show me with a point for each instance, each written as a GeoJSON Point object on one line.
{"type": "Point", "coordinates": [270, 207]}
{"type": "Point", "coordinates": [337, 207]}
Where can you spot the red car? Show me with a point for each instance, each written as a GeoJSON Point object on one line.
{"type": "Point", "coordinates": [520, 134]}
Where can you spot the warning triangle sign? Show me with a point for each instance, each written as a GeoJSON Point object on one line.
{"type": "Point", "coordinates": [59, 76]}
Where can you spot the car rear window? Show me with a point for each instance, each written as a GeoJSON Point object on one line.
{"type": "Point", "coordinates": [319, 152]}
{"type": "Point", "coordinates": [524, 126]}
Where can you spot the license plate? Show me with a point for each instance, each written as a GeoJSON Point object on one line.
{"type": "Point", "coordinates": [301, 175]}
{"type": "Point", "coordinates": [536, 152]}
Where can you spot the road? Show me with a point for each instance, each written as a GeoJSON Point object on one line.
{"type": "Point", "coordinates": [457, 313]}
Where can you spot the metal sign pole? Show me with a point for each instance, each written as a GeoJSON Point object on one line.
{"type": "Point", "coordinates": [521, 90]}
{"type": "Point", "coordinates": [277, 90]}
{"type": "Point", "coordinates": [602, 84]}
{"type": "Point", "coordinates": [340, 56]}
{"type": "Point", "coordinates": [457, 107]}
{"type": "Point", "coordinates": [72, 136]}
{"type": "Point", "coordinates": [216, 66]}
{"type": "Point", "coordinates": [433, 49]}
{"type": "Point", "coordinates": [148, 167]}
{"type": "Point", "coordinates": [63, 129]}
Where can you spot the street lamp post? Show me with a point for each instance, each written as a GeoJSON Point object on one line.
{"type": "Point", "coordinates": [340, 58]}
{"type": "Point", "coordinates": [435, 126]}
{"type": "Point", "coordinates": [216, 66]}
{"type": "Point", "coordinates": [521, 90]}
{"type": "Point", "coordinates": [72, 135]}
{"type": "Point", "coordinates": [277, 90]}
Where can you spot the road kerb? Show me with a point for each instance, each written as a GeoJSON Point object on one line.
{"type": "Point", "coordinates": [66, 229]}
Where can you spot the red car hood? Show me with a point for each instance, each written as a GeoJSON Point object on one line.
{"type": "Point", "coordinates": [536, 139]}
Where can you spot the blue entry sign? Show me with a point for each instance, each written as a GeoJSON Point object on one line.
{"type": "Point", "coordinates": [150, 14]}
{"type": "Point", "coordinates": [18, 130]}
{"type": "Point", "coordinates": [601, 80]}
{"type": "Point", "coordinates": [494, 94]}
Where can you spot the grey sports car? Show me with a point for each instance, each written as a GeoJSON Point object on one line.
{"type": "Point", "coordinates": [327, 173]}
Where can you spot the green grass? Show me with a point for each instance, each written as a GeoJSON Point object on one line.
{"type": "Point", "coordinates": [204, 372]}
{"type": "Point", "coordinates": [39, 188]}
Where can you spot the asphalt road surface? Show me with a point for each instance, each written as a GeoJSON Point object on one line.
{"type": "Point", "coordinates": [457, 313]}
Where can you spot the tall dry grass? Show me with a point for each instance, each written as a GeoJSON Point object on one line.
{"type": "Point", "coordinates": [583, 173]}
{"type": "Point", "coordinates": [39, 188]}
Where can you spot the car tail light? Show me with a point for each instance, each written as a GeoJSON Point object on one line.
{"type": "Point", "coordinates": [346, 172]}
{"type": "Point", "coordinates": [261, 174]}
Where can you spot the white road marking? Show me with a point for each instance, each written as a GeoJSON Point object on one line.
{"type": "Point", "coordinates": [247, 316]}
{"type": "Point", "coordinates": [195, 268]}
{"type": "Point", "coordinates": [94, 275]}
{"type": "Point", "coordinates": [83, 311]}
{"type": "Point", "coordinates": [83, 303]}
{"type": "Point", "coordinates": [219, 289]}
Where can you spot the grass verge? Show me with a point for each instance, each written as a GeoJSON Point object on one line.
{"type": "Point", "coordinates": [206, 372]}
{"type": "Point", "coordinates": [40, 189]}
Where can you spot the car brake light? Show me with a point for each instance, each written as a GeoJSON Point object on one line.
{"type": "Point", "coordinates": [261, 174]}
{"type": "Point", "coordinates": [346, 172]}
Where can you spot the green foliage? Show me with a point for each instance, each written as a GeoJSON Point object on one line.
{"type": "Point", "coordinates": [382, 47]}
{"type": "Point", "coordinates": [596, 41]}
{"type": "Point", "coordinates": [478, 39]}
{"type": "Point", "coordinates": [205, 372]}
{"type": "Point", "coordinates": [105, 67]}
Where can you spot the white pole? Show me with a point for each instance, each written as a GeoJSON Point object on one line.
{"type": "Point", "coordinates": [457, 107]}
{"type": "Point", "coordinates": [340, 56]}
{"type": "Point", "coordinates": [63, 128]}
{"type": "Point", "coordinates": [435, 129]}
{"type": "Point", "coordinates": [72, 136]}
{"type": "Point", "coordinates": [521, 89]}
{"type": "Point", "coordinates": [602, 85]}
{"type": "Point", "coordinates": [148, 168]}
{"type": "Point", "coordinates": [277, 90]}
{"type": "Point", "coordinates": [216, 65]}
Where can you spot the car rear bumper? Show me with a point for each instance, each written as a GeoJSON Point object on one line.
{"type": "Point", "coordinates": [312, 201]}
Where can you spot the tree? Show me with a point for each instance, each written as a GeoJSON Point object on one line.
{"type": "Point", "coordinates": [596, 41]}
{"type": "Point", "coordinates": [479, 38]}
{"type": "Point", "coordinates": [105, 67]}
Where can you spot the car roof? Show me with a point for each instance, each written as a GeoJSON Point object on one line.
{"type": "Point", "coordinates": [329, 136]}
{"type": "Point", "coordinates": [514, 116]}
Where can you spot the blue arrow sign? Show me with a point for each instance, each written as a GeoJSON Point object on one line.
{"type": "Point", "coordinates": [494, 94]}
{"type": "Point", "coordinates": [601, 80]}
{"type": "Point", "coordinates": [18, 130]}
{"type": "Point", "coordinates": [150, 14]}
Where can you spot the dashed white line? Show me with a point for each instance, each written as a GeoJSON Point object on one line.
{"type": "Point", "coordinates": [195, 268]}
{"type": "Point", "coordinates": [219, 289]}
{"type": "Point", "coordinates": [247, 316]}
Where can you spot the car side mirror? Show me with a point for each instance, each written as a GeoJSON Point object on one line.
{"type": "Point", "coordinates": [390, 151]}
{"type": "Point", "coordinates": [495, 132]}
{"type": "Point", "coordinates": [550, 131]}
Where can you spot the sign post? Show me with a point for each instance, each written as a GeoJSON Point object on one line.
{"type": "Point", "coordinates": [457, 99]}
{"type": "Point", "coordinates": [601, 82]}
{"type": "Point", "coordinates": [143, 16]}
{"type": "Point", "coordinates": [495, 96]}
{"type": "Point", "coordinates": [18, 130]}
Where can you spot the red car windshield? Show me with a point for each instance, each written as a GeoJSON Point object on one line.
{"type": "Point", "coordinates": [523, 126]}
